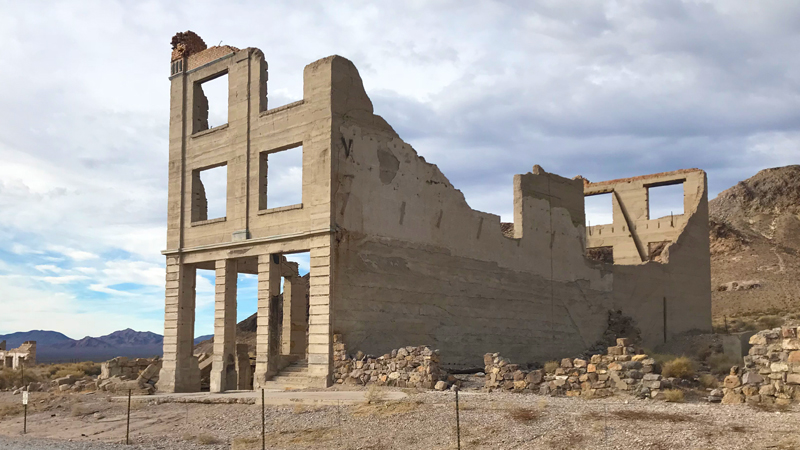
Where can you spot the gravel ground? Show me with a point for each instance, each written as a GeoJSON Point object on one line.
{"type": "Point", "coordinates": [423, 421]}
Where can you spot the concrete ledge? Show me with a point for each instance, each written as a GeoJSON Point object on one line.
{"type": "Point", "coordinates": [208, 222]}
{"type": "Point", "coordinates": [280, 209]}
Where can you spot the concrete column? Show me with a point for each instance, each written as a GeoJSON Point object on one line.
{"type": "Point", "coordinates": [243, 371]}
{"type": "Point", "coordinates": [268, 326]}
{"type": "Point", "coordinates": [298, 298]}
{"type": "Point", "coordinates": [223, 365]}
{"type": "Point", "coordinates": [286, 331]}
{"type": "Point", "coordinates": [179, 372]}
{"type": "Point", "coordinates": [320, 357]}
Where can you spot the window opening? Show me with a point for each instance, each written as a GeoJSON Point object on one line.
{"type": "Point", "coordinates": [599, 209]}
{"type": "Point", "coordinates": [209, 193]}
{"type": "Point", "coordinates": [210, 103]}
{"type": "Point", "coordinates": [663, 201]}
{"type": "Point", "coordinates": [282, 178]}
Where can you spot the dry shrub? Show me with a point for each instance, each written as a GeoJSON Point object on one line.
{"type": "Point", "coordinates": [202, 438]}
{"type": "Point", "coordinates": [720, 363]}
{"type": "Point", "coordinates": [738, 429]}
{"type": "Point", "coordinates": [661, 358]}
{"type": "Point", "coordinates": [673, 395]}
{"type": "Point", "coordinates": [551, 366]}
{"type": "Point", "coordinates": [770, 321]}
{"type": "Point", "coordinates": [525, 415]}
{"type": "Point", "coordinates": [373, 394]}
{"type": "Point", "coordinates": [681, 367]}
{"type": "Point", "coordinates": [709, 381]}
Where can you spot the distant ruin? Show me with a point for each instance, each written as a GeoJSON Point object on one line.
{"type": "Point", "coordinates": [397, 256]}
{"type": "Point", "coordinates": [24, 355]}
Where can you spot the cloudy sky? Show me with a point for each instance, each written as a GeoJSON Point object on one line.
{"type": "Point", "coordinates": [483, 89]}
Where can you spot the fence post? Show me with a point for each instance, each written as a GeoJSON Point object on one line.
{"type": "Point", "coordinates": [263, 422]}
{"type": "Point", "coordinates": [458, 423]}
{"type": "Point", "coordinates": [128, 426]}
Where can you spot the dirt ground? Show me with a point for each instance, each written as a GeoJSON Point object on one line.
{"type": "Point", "coordinates": [424, 420]}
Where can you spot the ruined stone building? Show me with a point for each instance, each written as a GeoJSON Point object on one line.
{"type": "Point", "coordinates": [24, 355]}
{"type": "Point", "coordinates": [397, 256]}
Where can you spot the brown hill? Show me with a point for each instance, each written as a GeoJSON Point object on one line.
{"type": "Point", "coordinates": [755, 247]}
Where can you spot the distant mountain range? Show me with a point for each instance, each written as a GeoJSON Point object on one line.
{"type": "Point", "coordinates": [52, 346]}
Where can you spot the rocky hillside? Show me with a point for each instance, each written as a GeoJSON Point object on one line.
{"type": "Point", "coordinates": [755, 245]}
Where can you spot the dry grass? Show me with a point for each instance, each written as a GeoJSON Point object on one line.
{"type": "Point", "coordinates": [385, 408]}
{"type": "Point", "coordinates": [681, 367]}
{"type": "Point", "coordinates": [650, 416]}
{"type": "Point", "coordinates": [374, 394]}
{"type": "Point", "coordinates": [314, 436]}
{"type": "Point", "coordinates": [202, 439]}
{"type": "Point", "coordinates": [770, 407]}
{"type": "Point", "coordinates": [570, 441]}
{"type": "Point", "coordinates": [769, 321]}
{"type": "Point", "coordinates": [10, 410]}
{"type": "Point", "coordinates": [673, 395]}
{"type": "Point", "coordinates": [709, 381]}
{"type": "Point", "coordinates": [720, 363]}
{"type": "Point", "coordinates": [525, 415]}
{"type": "Point", "coordinates": [551, 366]}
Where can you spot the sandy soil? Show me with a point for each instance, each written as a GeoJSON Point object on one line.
{"type": "Point", "coordinates": [424, 420]}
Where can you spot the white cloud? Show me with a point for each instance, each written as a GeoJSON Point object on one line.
{"type": "Point", "coordinates": [485, 90]}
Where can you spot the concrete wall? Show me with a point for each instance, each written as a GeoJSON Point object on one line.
{"type": "Point", "coordinates": [414, 264]}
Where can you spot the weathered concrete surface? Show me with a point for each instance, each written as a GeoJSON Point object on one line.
{"type": "Point", "coordinates": [397, 256]}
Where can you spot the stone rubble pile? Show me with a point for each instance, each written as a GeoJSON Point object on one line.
{"type": "Point", "coordinates": [121, 366]}
{"type": "Point", "coordinates": [122, 375]}
{"type": "Point", "coordinates": [623, 368]}
{"type": "Point", "coordinates": [771, 371]}
{"type": "Point", "coordinates": [403, 367]}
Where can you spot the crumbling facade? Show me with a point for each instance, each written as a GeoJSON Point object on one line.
{"type": "Point", "coordinates": [24, 355]}
{"type": "Point", "coordinates": [397, 257]}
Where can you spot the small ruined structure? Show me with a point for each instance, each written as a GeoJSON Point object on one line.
{"type": "Point", "coordinates": [397, 256]}
{"type": "Point", "coordinates": [15, 358]}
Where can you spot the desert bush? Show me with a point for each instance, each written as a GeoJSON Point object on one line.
{"type": "Point", "coordinates": [770, 321]}
{"type": "Point", "coordinates": [661, 358]}
{"type": "Point", "coordinates": [373, 394]}
{"type": "Point", "coordinates": [720, 363]}
{"type": "Point", "coordinates": [79, 410]}
{"type": "Point", "coordinates": [673, 395]}
{"type": "Point", "coordinates": [551, 366]}
{"type": "Point", "coordinates": [709, 381]}
{"type": "Point", "coordinates": [525, 414]}
{"type": "Point", "coordinates": [681, 367]}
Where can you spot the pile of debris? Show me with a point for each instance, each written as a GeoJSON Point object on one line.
{"type": "Point", "coordinates": [623, 368]}
{"type": "Point", "coordinates": [771, 371]}
{"type": "Point", "coordinates": [403, 367]}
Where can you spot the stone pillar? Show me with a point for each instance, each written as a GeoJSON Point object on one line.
{"type": "Point", "coordinates": [223, 365]}
{"type": "Point", "coordinates": [320, 357]}
{"type": "Point", "coordinates": [268, 342]}
{"type": "Point", "coordinates": [179, 372]}
{"type": "Point", "coordinates": [295, 304]}
{"type": "Point", "coordinates": [243, 370]}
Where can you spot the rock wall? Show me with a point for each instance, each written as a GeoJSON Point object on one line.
{"type": "Point", "coordinates": [771, 371]}
{"type": "Point", "coordinates": [403, 367]}
{"type": "Point", "coordinates": [621, 369]}
{"type": "Point", "coordinates": [124, 367]}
